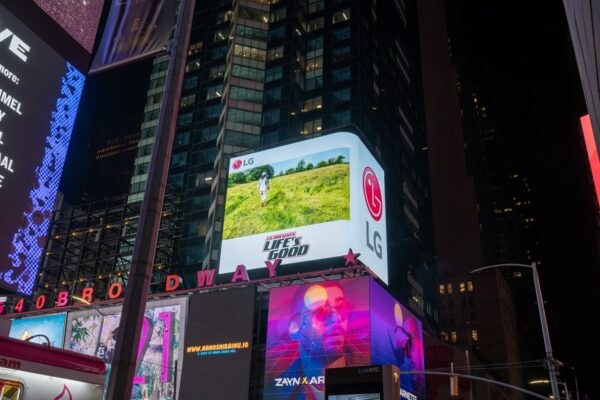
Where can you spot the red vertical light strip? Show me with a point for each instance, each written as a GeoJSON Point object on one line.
{"type": "Point", "coordinates": [592, 151]}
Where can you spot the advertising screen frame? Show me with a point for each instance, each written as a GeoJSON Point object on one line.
{"type": "Point", "coordinates": [279, 218]}
{"type": "Point", "coordinates": [181, 301]}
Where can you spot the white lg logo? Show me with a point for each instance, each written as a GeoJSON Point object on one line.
{"type": "Point", "coordinates": [16, 45]}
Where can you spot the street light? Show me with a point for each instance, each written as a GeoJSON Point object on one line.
{"type": "Point", "coordinates": [102, 315]}
{"type": "Point", "coordinates": [540, 301]}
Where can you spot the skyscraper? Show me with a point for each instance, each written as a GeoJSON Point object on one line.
{"type": "Point", "coordinates": [260, 73]}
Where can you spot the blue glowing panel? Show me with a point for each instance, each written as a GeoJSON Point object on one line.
{"type": "Point", "coordinates": [39, 98]}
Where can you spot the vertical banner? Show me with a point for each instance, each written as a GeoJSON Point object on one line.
{"type": "Point", "coordinates": [218, 345]}
{"type": "Point", "coordinates": [134, 29]}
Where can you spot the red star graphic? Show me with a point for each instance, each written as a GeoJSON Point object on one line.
{"type": "Point", "coordinates": [351, 258]}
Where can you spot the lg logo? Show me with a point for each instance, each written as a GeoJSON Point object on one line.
{"type": "Point", "coordinates": [237, 164]}
{"type": "Point", "coordinates": [15, 45]}
{"type": "Point", "coordinates": [374, 201]}
{"type": "Point", "coordinates": [372, 192]}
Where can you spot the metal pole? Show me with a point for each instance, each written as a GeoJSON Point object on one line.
{"type": "Point", "coordinates": [576, 384]}
{"type": "Point", "coordinates": [124, 363]}
{"type": "Point", "coordinates": [545, 333]}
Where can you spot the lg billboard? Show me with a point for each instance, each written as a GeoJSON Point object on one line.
{"type": "Point", "coordinates": [306, 201]}
{"type": "Point", "coordinates": [39, 98]}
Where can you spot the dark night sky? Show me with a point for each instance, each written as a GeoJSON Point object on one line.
{"type": "Point", "coordinates": [519, 54]}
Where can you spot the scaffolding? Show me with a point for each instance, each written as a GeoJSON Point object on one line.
{"type": "Point", "coordinates": [91, 245]}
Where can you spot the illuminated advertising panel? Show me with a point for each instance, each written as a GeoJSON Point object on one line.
{"type": "Point", "coordinates": [79, 18]}
{"type": "Point", "coordinates": [218, 345]}
{"type": "Point", "coordinates": [397, 339]}
{"type": "Point", "coordinates": [306, 201]}
{"type": "Point", "coordinates": [159, 350]}
{"type": "Point", "coordinates": [335, 324]}
{"type": "Point", "coordinates": [39, 97]}
{"type": "Point", "coordinates": [45, 329]}
{"type": "Point", "coordinates": [313, 327]}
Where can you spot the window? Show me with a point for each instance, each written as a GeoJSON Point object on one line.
{"type": "Point", "coordinates": [461, 287]}
{"type": "Point", "coordinates": [248, 73]}
{"type": "Point", "coordinates": [449, 288]}
{"type": "Point", "coordinates": [341, 34]}
{"type": "Point", "coordinates": [342, 95]}
{"type": "Point", "coordinates": [190, 82]}
{"type": "Point", "coordinates": [244, 94]}
{"type": "Point", "coordinates": [453, 337]}
{"type": "Point", "coordinates": [244, 117]}
{"type": "Point", "coordinates": [192, 65]}
{"type": "Point", "coordinates": [271, 117]}
{"type": "Point", "coordinates": [312, 104]}
{"type": "Point", "coordinates": [249, 52]}
{"type": "Point", "coordinates": [444, 336]}
{"type": "Point", "coordinates": [341, 74]}
{"type": "Point", "coordinates": [216, 72]}
{"type": "Point", "coordinates": [251, 33]}
{"type": "Point", "coordinates": [275, 53]}
{"type": "Point", "coordinates": [185, 119]}
{"type": "Point", "coordinates": [341, 54]}
{"type": "Point", "coordinates": [442, 289]}
{"type": "Point", "coordinates": [313, 83]}
{"type": "Point", "coordinates": [178, 159]}
{"type": "Point", "coordinates": [312, 127]}
{"type": "Point", "coordinates": [341, 117]}
{"type": "Point", "coordinates": [208, 134]}
{"type": "Point", "coordinates": [217, 53]}
{"type": "Point", "coordinates": [470, 286]}
{"type": "Point", "coordinates": [277, 33]}
{"type": "Point", "coordinates": [213, 92]}
{"type": "Point", "coordinates": [314, 5]}
{"type": "Point", "coordinates": [272, 74]}
{"type": "Point", "coordinates": [209, 112]}
{"type": "Point", "coordinates": [10, 390]}
{"type": "Point", "coordinates": [194, 48]}
{"type": "Point", "coordinates": [341, 16]}
{"type": "Point", "coordinates": [475, 335]}
{"type": "Point", "coordinates": [221, 35]}
{"type": "Point", "coordinates": [314, 24]}
{"type": "Point", "coordinates": [314, 47]}
{"type": "Point", "coordinates": [277, 15]}
{"type": "Point", "coordinates": [187, 101]}
{"type": "Point", "coordinates": [273, 94]}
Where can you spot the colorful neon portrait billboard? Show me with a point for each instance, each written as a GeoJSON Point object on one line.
{"type": "Point", "coordinates": [51, 327]}
{"type": "Point", "coordinates": [305, 201]}
{"type": "Point", "coordinates": [342, 323]}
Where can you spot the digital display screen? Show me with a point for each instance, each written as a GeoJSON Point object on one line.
{"type": "Point", "coordinates": [335, 324]}
{"type": "Point", "coordinates": [47, 329]}
{"type": "Point", "coordinates": [306, 201]}
{"type": "Point", "coordinates": [313, 327]}
{"type": "Point", "coordinates": [397, 339]}
{"type": "Point", "coordinates": [39, 98]}
{"type": "Point", "coordinates": [364, 396]}
{"type": "Point", "coordinates": [79, 18]}
{"type": "Point", "coordinates": [158, 352]}
{"type": "Point", "coordinates": [218, 345]}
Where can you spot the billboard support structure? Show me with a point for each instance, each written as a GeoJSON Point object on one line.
{"type": "Point", "coordinates": [125, 359]}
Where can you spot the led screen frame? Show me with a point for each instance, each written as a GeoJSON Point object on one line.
{"type": "Point", "coordinates": [306, 201]}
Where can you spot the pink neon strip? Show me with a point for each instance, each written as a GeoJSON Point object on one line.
{"type": "Point", "coordinates": [592, 151]}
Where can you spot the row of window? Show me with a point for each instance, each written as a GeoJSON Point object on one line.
{"type": "Point", "coordinates": [452, 336]}
{"type": "Point", "coordinates": [462, 288]}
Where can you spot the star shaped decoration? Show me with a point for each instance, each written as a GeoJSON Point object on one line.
{"type": "Point", "coordinates": [351, 259]}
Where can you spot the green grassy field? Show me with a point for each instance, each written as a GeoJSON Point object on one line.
{"type": "Point", "coordinates": [299, 199]}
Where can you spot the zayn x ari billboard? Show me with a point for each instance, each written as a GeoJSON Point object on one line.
{"type": "Point", "coordinates": [305, 201]}
{"type": "Point", "coordinates": [335, 324]}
